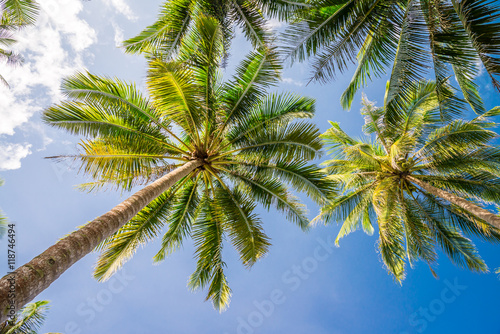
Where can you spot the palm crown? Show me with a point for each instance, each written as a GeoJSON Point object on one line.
{"type": "Point", "coordinates": [416, 38]}
{"type": "Point", "coordinates": [421, 180]}
{"type": "Point", "coordinates": [250, 145]}
{"type": "Point", "coordinates": [176, 17]}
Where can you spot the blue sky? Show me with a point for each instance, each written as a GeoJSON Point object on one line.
{"type": "Point", "coordinates": [304, 285]}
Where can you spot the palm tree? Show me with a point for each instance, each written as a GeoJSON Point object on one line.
{"type": "Point", "coordinates": [213, 150]}
{"type": "Point", "coordinates": [424, 181]}
{"type": "Point", "coordinates": [14, 15]}
{"type": "Point", "coordinates": [28, 320]}
{"type": "Point", "coordinates": [416, 38]}
{"type": "Point", "coordinates": [176, 18]}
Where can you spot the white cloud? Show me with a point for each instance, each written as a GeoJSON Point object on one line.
{"type": "Point", "coordinates": [63, 14]}
{"type": "Point", "coordinates": [291, 81]}
{"type": "Point", "coordinates": [118, 34]}
{"type": "Point", "coordinates": [53, 49]}
{"type": "Point", "coordinates": [11, 155]}
{"type": "Point", "coordinates": [123, 8]}
{"type": "Point", "coordinates": [274, 24]}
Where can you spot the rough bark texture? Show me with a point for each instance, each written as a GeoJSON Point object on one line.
{"type": "Point", "coordinates": [36, 275]}
{"type": "Point", "coordinates": [477, 211]}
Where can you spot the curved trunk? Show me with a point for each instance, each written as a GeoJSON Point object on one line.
{"type": "Point", "coordinates": [35, 276]}
{"type": "Point", "coordinates": [476, 210]}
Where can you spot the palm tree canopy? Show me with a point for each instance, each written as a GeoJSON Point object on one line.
{"type": "Point", "coordinates": [414, 38]}
{"type": "Point", "coordinates": [176, 18]}
{"type": "Point", "coordinates": [253, 145]}
{"type": "Point", "coordinates": [413, 144]}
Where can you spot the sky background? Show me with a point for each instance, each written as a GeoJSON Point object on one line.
{"type": "Point", "coordinates": [304, 285]}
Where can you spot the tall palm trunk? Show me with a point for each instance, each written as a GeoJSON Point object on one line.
{"type": "Point", "coordinates": [35, 276]}
{"type": "Point", "coordinates": [477, 211]}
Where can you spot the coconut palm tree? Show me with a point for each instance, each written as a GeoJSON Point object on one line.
{"type": "Point", "coordinates": [415, 38]}
{"type": "Point", "coordinates": [426, 183]}
{"type": "Point", "coordinates": [28, 320]}
{"type": "Point", "coordinates": [213, 149]}
{"type": "Point", "coordinates": [176, 18]}
{"type": "Point", "coordinates": [14, 15]}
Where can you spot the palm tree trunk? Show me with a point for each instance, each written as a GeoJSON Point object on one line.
{"type": "Point", "coordinates": [476, 210]}
{"type": "Point", "coordinates": [36, 275]}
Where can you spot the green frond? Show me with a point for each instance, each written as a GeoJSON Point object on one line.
{"type": "Point", "coordinates": [259, 71]}
{"type": "Point", "coordinates": [470, 91]}
{"type": "Point", "coordinates": [273, 110]}
{"type": "Point", "coordinates": [248, 16]}
{"type": "Point", "coordinates": [183, 211]}
{"type": "Point", "coordinates": [144, 227]}
{"type": "Point", "coordinates": [480, 19]}
{"type": "Point", "coordinates": [301, 176]}
{"type": "Point", "coordinates": [316, 28]}
{"type": "Point", "coordinates": [283, 9]}
{"type": "Point", "coordinates": [272, 192]}
{"type": "Point", "coordinates": [373, 58]}
{"type": "Point", "coordinates": [20, 12]}
{"type": "Point", "coordinates": [358, 217]}
{"type": "Point", "coordinates": [336, 139]}
{"type": "Point", "coordinates": [29, 319]}
{"type": "Point", "coordinates": [455, 138]}
{"type": "Point", "coordinates": [410, 63]}
{"type": "Point", "coordinates": [243, 226]}
{"type": "Point", "coordinates": [299, 140]}
{"type": "Point", "coordinates": [390, 212]}
{"type": "Point", "coordinates": [351, 35]}
{"type": "Point", "coordinates": [113, 93]}
{"type": "Point", "coordinates": [420, 243]}
{"type": "Point", "coordinates": [121, 163]}
{"type": "Point", "coordinates": [339, 208]}
{"type": "Point", "coordinates": [459, 249]}
{"type": "Point", "coordinates": [462, 220]}
{"type": "Point", "coordinates": [167, 32]}
{"type": "Point", "coordinates": [208, 236]}
{"type": "Point", "coordinates": [175, 93]}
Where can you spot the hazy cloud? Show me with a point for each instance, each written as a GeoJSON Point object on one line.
{"type": "Point", "coordinates": [118, 34]}
{"type": "Point", "coordinates": [123, 8]}
{"type": "Point", "coordinates": [291, 81]}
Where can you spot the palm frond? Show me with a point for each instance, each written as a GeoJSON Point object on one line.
{"type": "Point", "coordinates": [166, 33]}
{"type": "Point", "coordinates": [144, 227]}
{"type": "Point", "coordinates": [183, 213]}
{"type": "Point", "coordinates": [20, 12]}
{"type": "Point", "coordinates": [208, 236]}
{"type": "Point", "coordinates": [244, 227]}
